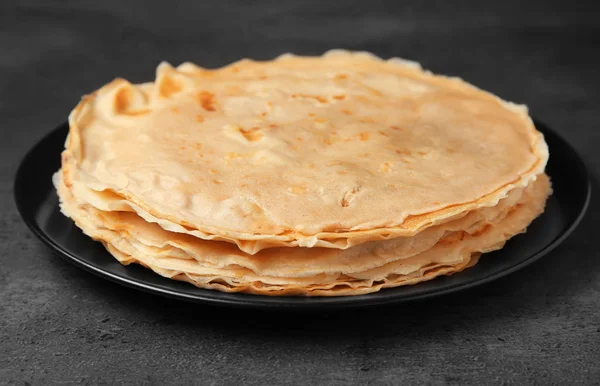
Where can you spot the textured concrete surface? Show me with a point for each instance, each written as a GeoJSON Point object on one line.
{"type": "Point", "coordinates": [59, 324]}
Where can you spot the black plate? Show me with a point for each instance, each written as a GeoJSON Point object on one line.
{"type": "Point", "coordinates": [37, 202]}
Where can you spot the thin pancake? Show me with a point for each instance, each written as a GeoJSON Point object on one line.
{"type": "Point", "coordinates": [444, 258]}
{"type": "Point", "coordinates": [363, 149]}
{"type": "Point", "coordinates": [282, 261]}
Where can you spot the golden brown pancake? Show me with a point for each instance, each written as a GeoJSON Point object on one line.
{"type": "Point", "coordinates": [282, 261]}
{"type": "Point", "coordinates": [318, 176]}
{"type": "Point", "coordinates": [327, 151]}
{"type": "Point", "coordinates": [337, 274]}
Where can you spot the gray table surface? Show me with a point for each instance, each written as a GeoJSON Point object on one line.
{"type": "Point", "coordinates": [59, 324]}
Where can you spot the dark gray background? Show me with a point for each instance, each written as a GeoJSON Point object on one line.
{"type": "Point", "coordinates": [61, 324]}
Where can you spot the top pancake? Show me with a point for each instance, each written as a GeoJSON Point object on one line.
{"type": "Point", "coordinates": [309, 151]}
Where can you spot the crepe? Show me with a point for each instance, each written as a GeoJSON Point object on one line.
{"type": "Point", "coordinates": [282, 261]}
{"type": "Point", "coordinates": [314, 176]}
{"type": "Point", "coordinates": [339, 275]}
{"type": "Point", "coordinates": [331, 151]}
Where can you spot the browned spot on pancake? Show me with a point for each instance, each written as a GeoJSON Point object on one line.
{"type": "Point", "coordinates": [451, 149]}
{"type": "Point", "coordinates": [364, 136]}
{"type": "Point", "coordinates": [329, 140]}
{"type": "Point", "coordinates": [175, 110]}
{"type": "Point", "coordinates": [366, 120]}
{"type": "Point", "coordinates": [253, 134]}
{"type": "Point", "coordinates": [263, 114]}
{"type": "Point", "coordinates": [311, 114]}
{"type": "Point", "coordinates": [122, 100]}
{"type": "Point", "coordinates": [402, 151]}
{"type": "Point", "coordinates": [273, 126]}
{"type": "Point", "coordinates": [169, 86]}
{"type": "Point", "coordinates": [206, 100]}
{"type": "Point", "coordinates": [339, 97]}
{"type": "Point", "coordinates": [386, 166]}
{"type": "Point", "coordinates": [262, 77]}
{"type": "Point", "coordinates": [341, 172]}
{"type": "Point", "coordinates": [349, 196]}
{"type": "Point", "coordinates": [297, 189]}
{"type": "Point", "coordinates": [232, 155]}
{"type": "Point", "coordinates": [341, 76]}
{"type": "Point", "coordinates": [199, 118]}
{"type": "Point", "coordinates": [347, 112]}
{"type": "Point", "coordinates": [318, 98]}
{"type": "Point", "coordinates": [396, 128]}
{"type": "Point", "coordinates": [122, 103]}
{"type": "Point", "coordinates": [383, 133]}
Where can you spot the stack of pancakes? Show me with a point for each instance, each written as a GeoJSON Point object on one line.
{"type": "Point", "coordinates": [334, 175]}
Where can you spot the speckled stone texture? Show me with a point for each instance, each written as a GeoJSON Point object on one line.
{"type": "Point", "coordinates": [59, 324]}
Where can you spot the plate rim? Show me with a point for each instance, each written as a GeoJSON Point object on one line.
{"type": "Point", "coordinates": [209, 297]}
